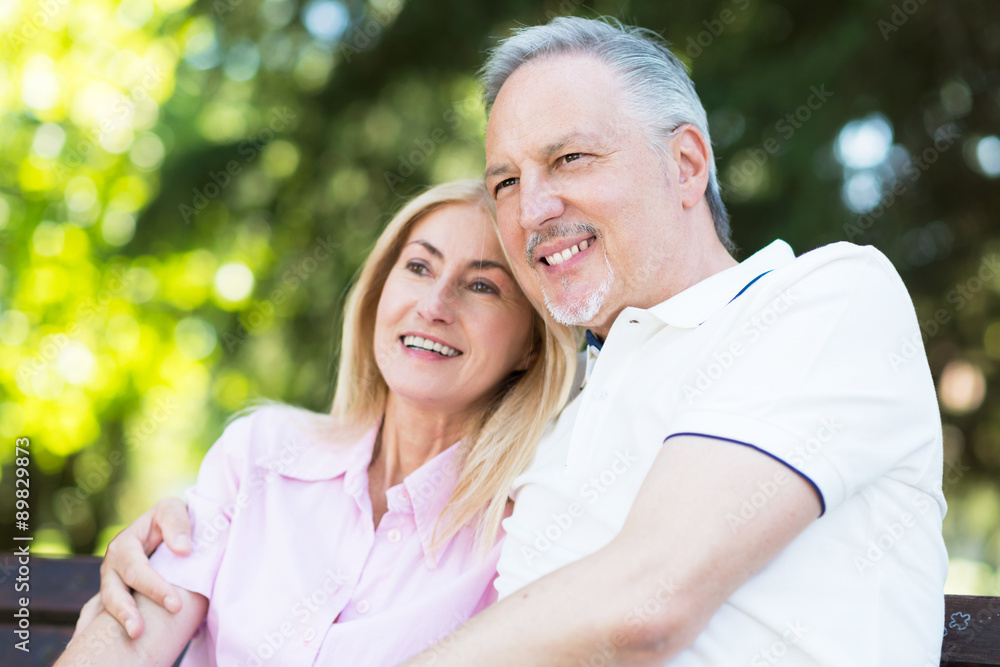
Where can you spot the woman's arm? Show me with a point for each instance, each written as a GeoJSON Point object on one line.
{"type": "Point", "coordinates": [104, 641]}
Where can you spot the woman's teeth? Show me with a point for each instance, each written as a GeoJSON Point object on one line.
{"type": "Point", "coordinates": [419, 343]}
{"type": "Point", "coordinates": [560, 257]}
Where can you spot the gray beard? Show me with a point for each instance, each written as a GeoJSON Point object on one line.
{"type": "Point", "coordinates": [581, 312]}
{"type": "Point", "coordinates": [576, 313]}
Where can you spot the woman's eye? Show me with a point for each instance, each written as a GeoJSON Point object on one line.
{"type": "Point", "coordinates": [507, 182]}
{"type": "Point", "coordinates": [416, 267]}
{"type": "Point", "coordinates": [481, 287]}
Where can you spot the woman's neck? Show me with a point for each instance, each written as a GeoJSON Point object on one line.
{"type": "Point", "coordinates": [410, 437]}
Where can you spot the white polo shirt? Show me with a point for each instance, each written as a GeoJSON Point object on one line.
{"type": "Point", "coordinates": [816, 361]}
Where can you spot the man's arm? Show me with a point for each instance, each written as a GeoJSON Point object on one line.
{"type": "Point", "coordinates": [105, 643]}
{"type": "Point", "coordinates": [648, 594]}
{"type": "Point", "coordinates": [126, 565]}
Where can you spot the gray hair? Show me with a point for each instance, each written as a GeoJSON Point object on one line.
{"type": "Point", "coordinates": [658, 91]}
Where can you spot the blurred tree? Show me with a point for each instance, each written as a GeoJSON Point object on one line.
{"type": "Point", "coordinates": [186, 191]}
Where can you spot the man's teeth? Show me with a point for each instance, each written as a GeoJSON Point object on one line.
{"type": "Point", "coordinates": [420, 343]}
{"type": "Point", "coordinates": [560, 257]}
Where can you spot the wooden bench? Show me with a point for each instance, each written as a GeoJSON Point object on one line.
{"type": "Point", "coordinates": [60, 586]}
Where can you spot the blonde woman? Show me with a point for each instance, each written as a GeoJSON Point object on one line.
{"type": "Point", "coordinates": [363, 536]}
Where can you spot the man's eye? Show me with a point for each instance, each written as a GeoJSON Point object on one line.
{"type": "Point", "coordinates": [507, 182]}
{"type": "Point", "coordinates": [569, 157]}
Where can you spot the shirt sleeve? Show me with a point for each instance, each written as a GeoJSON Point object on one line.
{"type": "Point", "coordinates": [827, 374]}
{"type": "Point", "coordinates": [219, 492]}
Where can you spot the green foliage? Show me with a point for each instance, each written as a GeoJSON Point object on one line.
{"type": "Point", "coordinates": [186, 191]}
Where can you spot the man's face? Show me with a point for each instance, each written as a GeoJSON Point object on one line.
{"type": "Point", "coordinates": [588, 211]}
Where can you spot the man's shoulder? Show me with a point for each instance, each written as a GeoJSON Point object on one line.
{"type": "Point", "coordinates": [845, 262]}
{"type": "Point", "coordinates": [837, 272]}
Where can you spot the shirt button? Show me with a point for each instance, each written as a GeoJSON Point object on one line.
{"type": "Point", "coordinates": [394, 535]}
{"type": "Point", "coordinates": [309, 635]}
{"type": "Point", "coordinates": [363, 607]}
{"type": "Point", "coordinates": [601, 395]}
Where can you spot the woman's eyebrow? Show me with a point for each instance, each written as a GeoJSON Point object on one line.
{"type": "Point", "coordinates": [480, 264]}
{"type": "Point", "coordinates": [430, 248]}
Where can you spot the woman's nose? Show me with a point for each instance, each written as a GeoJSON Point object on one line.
{"type": "Point", "coordinates": [438, 304]}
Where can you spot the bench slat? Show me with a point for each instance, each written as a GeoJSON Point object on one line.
{"type": "Point", "coordinates": [972, 631]}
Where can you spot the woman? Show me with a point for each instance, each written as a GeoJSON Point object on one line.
{"type": "Point", "coordinates": [363, 536]}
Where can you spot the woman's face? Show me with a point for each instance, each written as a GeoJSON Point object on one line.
{"type": "Point", "coordinates": [452, 323]}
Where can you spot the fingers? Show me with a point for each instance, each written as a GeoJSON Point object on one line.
{"type": "Point", "coordinates": [88, 613]}
{"type": "Point", "coordinates": [117, 599]}
{"type": "Point", "coordinates": [126, 566]}
{"type": "Point", "coordinates": [170, 518]}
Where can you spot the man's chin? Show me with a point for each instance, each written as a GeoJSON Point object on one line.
{"type": "Point", "coordinates": [580, 311]}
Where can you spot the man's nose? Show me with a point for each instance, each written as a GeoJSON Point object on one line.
{"type": "Point", "coordinates": [539, 201]}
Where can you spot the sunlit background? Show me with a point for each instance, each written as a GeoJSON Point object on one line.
{"type": "Point", "coordinates": [186, 190]}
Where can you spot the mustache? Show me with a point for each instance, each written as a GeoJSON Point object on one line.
{"type": "Point", "coordinates": [556, 231]}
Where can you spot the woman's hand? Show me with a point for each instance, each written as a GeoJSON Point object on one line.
{"type": "Point", "coordinates": [126, 565]}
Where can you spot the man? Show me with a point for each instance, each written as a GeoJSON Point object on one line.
{"type": "Point", "coordinates": [747, 476]}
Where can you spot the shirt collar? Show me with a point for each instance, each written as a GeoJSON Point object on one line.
{"type": "Point", "coordinates": [316, 454]}
{"type": "Point", "coordinates": [318, 451]}
{"type": "Point", "coordinates": [701, 301]}
{"type": "Point", "coordinates": [428, 489]}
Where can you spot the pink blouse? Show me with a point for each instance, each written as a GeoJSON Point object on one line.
{"type": "Point", "coordinates": [285, 545]}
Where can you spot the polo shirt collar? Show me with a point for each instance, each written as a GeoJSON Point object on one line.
{"type": "Point", "coordinates": [701, 301]}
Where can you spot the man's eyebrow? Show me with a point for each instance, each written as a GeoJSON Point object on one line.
{"type": "Point", "coordinates": [499, 170]}
{"type": "Point", "coordinates": [550, 149]}
{"type": "Point", "coordinates": [560, 143]}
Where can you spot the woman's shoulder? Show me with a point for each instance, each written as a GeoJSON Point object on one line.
{"type": "Point", "coordinates": [266, 429]}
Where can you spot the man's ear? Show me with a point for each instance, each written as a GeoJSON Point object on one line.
{"type": "Point", "coordinates": [693, 157]}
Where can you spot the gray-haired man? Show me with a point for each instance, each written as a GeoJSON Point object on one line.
{"type": "Point", "coordinates": [748, 476]}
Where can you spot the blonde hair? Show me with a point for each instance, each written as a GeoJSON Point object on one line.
{"type": "Point", "coordinates": [500, 441]}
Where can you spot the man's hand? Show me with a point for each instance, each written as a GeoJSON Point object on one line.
{"type": "Point", "coordinates": [126, 565]}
